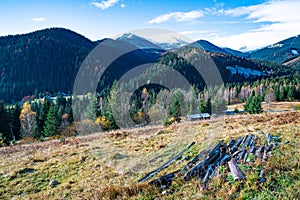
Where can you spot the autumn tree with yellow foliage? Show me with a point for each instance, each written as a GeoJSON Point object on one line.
{"type": "Point", "coordinates": [28, 121]}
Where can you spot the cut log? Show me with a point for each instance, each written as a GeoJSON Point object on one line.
{"type": "Point", "coordinates": [195, 171]}
{"type": "Point", "coordinates": [194, 160]}
{"type": "Point", "coordinates": [264, 157]}
{"type": "Point", "coordinates": [214, 156]}
{"type": "Point", "coordinates": [176, 157]}
{"type": "Point", "coordinates": [235, 170]}
{"type": "Point", "coordinates": [165, 180]}
{"type": "Point", "coordinates": [236, 153]}
{"type": "Point", "coordinates": [259, 152]}
{"type": "Point", "coordinates": [236, 144]}
{"type": "Point", "coordinates": [225, 158]}
{"type": "Point", "coordinates": [244, 140]}
{"type": "Point", "coordinates": [231, 143]}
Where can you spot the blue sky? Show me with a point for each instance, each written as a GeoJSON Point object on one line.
{"type": "Point", "coordinates": [250, 23]}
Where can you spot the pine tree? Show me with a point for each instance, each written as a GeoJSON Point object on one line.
{"type": "Point", "coordinates": [111, 107]}
{"type": "Point", "coordinates": [174, 111]}
{"type": "Point", "coordinates": [3, 123]}
{"type": "Point", "coordinates": [190, 107]}
{"type": "Point", "coordinates": [183, 105]}
{"type": "Point", "coordinates": [52, 122]}
{"type": "Point", "coordinates": [14, 122]}
{"type": "Point", "coordinates": [92, 109]}
{"type": "Point", "coordinates": [42, 117]}
{"type": "Point", "coordinates": [253, 104]}
{"type": "Point", "coordinates": [283, 93]}
{"type": "Point", "coordinates": [256, 105]}
{"type": "Point", "coordinates": [247, 104]}
{"type": "Point", "coordinates": [276, 92]}
{"type": "Point", "coordinates": [291, 93]}
{"type": "Point", "coordinates": [108, 114]}
{"type": "Point", "coordinates": [202, 106]}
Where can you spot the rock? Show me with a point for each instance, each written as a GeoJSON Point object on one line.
{"type": "Point", "coordinates": [53, 183]}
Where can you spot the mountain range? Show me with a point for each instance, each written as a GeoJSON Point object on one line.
{"type": "Point", "coordinates": [48, 60]}
{"type": "Point", "coordinates": [279, 52]}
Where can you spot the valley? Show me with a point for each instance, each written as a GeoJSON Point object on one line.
{"type": "Point", "coordinates": [108, 165]}
{"type": "Point", "coordinates": [82, 119]}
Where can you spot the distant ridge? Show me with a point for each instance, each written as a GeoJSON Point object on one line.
{"type": "Point", "coordinates": [48, 60]}
{"type": "Point", "coordinates": [138, 41]}
{"type": "Point", "coordinates": [279, 52]}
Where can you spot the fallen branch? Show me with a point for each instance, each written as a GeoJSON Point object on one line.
{"type": "Point", "coordinates": [176, 157]}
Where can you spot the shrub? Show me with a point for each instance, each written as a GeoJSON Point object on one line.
{"type": "Point", "coordinates": [297, 107]}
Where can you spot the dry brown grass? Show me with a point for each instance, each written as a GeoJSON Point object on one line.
{"type": "Point", "coordinates": [108, 165]}
{"type": "Point", "coordinates": [273, 106]}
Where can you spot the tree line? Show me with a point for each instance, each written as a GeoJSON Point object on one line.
{"type": "Point", "coordinates": [42, 117]}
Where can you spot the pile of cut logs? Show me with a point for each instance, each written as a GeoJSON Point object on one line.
{"type": "Point", "coordinates": [204, 166]}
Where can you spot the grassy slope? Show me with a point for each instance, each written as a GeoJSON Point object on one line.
{"type": "Point", "coordinates": [108, 165]}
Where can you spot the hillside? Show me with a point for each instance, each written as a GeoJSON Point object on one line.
{"type": "Point", "coordinates": [207, 46]}
{"type": "Point", "coordinates": [108, 165]}
{"type": "Point", "coordinates": [237, 53]}
{"type": "Point", "coordinates": [294, 62]}
{"type": "Point", "coordinates": [231, 68]}
{"type": "Point", "coordinates": [46, 60]}
{"type": "Point", "coordinates": [280, 51]}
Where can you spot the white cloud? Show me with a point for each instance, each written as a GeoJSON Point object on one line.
{"type": "Point", "coordinates": [105, 4]}
{"type": "Point", "coordinates": [123, 5]}
{"type": "Point", "coordinates": [271, 11]}
{"type": "Point", "coordinates": [177, 16]}
{"type": "Point", "coordinates": [39, 19]}
{"type": "Point", "coordinates": [276, 20]}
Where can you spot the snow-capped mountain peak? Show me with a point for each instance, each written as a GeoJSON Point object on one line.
{"type": "Point", "coordinates": [137, 41]}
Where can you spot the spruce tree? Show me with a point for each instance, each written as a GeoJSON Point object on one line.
{"type": "Point", "coordinates": [183, 105]}
{"type": "Point", "coordinates": [52, 122]}
{"type": "Point", "coordinates": [276, 92]}
{"type": "Point", "coordinates": [253, 104]}
{"type": "Point", "coordinates": [247, 104]}
{"type": "Point", "coordinates": [4, 123]}
{"type": "Point", "coordinates": [256, 105]}
{"type": "Point", "coordinates": [92, 109]}
{"type": "Point", "coordinates": [174, 110]}
{"type": "Point", "coordinates": [14, 122]}
{"type": "Point", "coordinates": [42, 117]}
{"type": "Point", "coordinates": [291, 92]}
{"type": "Point", "coordinates": [111, 106]}
{"type": "Point", "coordinates": [202, 106]}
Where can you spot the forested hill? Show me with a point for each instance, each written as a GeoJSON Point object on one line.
{"type": "Point", "coordinates": [48, 61]}
{"type": "Point", "coordinates": [232, 68]}
{"type": "Point", "coordinates": [45, 60]}
{"type": "Point", "coordinates": [279, 52]}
